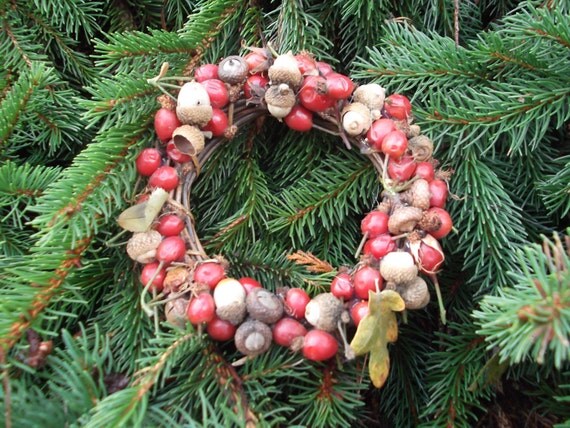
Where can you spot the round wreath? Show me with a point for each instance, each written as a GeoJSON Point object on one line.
{"type": "Point", "coordinates": [400, 237]}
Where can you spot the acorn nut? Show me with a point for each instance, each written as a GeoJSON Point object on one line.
{"type": "Point", "coordinates": [280, 100]}
{"type": "Point", "coordinates": [324, 312]}
{"type": "Point", "coordinates": [193, 105]}
{"type": "Point", "coordinates": [229, 298]}
{"type": "Point", "coordinates": [233, 70]}
{"type": "Point", "coordinates": [253, 338]}
{"type": "Point", "coordinates": [372, 96]}
{"type": "Point", "coordinates": [285, 70]}
{"type": "Point", "coordinates": [263, 305]}
{"type": "Point", "coordinates": [356, 119]}
{"type": "Point", "coordinates": [142, 246]}
{"type": "Point", "coordinates": [404, 219]}
{"type": "Point", "coordinates": [398, 267]}
{"type": "Point", "coordinates": [415, 293]}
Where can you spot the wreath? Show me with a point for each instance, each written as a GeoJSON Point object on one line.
{"type": "Point", "coordinates": [399, 247]}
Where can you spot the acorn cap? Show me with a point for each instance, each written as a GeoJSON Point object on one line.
{"type": "Point", "coordinates": [253, 338]}
{"type": "Point", "coordinates": [264, 306]}
{"type": "Point", "coordinates": [398, 267]}
{"type": "Point", "coordinates": [280, 100]}
{"type": "Point", "coordinates": [324, 312]}
{"type": "Point", "coordinates": [421, 147]}
{"type": "Point", "coordinates": [188, 140]}
{"type": "Point", "coordinates": [194, 115]}
{"type": "Point", "coordinates": [404, 219]}
{"type": "Point", "coordinates": [142, 246]}
{"type": "Point", "coordinates": [356, 119]}
{"type": "Point", "coordinates": [285, 70]}
{"type": "Point", "coordinates": [371, 95]}
{"type": "Point", "coordinates": [233, 70]}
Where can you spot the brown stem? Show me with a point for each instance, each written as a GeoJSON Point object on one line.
{"type": "Point", "coordinates": [7, 391]}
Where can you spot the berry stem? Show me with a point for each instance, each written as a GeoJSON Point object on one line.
{"type": "Point", "coordinates": [111, 242]}
{"type": "Point", "coordinates": [439, 299]}
{"type": "Point", "coordinates": [144, 306]}
{"type": "Point", "coordinates": [361, 245]}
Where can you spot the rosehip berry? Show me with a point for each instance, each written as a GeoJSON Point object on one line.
{"type": "Point", "coordinates": [339, 86]}
{"type": "Point", "coordinates": [165, 177]}
{"type": "Point", "coordinates": [341, 286]}
{"type": "Point", "coordinates": [306, 64]}
{"type": "Point", "coordinates": [206, 72]}
{"type": "Point", "coordinates": [171, 249]}
{"type": "Point", "coordinates": [299, 119]}
{"type": "Point", "coordinates": [218, 123]}
{"type": "Point", "coordinates": [148, 162]}
{"type": "Point", "coordinates": [374, 224]}
{"type": "Point", "coordinates": [319, 345]}
{"type": "Point", "coordinates": [170, 225]}
{"type": "Point", "coordinates": [430, 255]}
{"type": "Point", "coordinates": [201, 309]}
{"type": "Point", "coordinates": [209, 273]}
{"type": "Point", "coordinates": [324, 68]}
{"type": "Point", "coordinates": [403, 169]}
{"type": "Point", "coordinates": [249, 284]}
{"type": "Point", "coordinates": [255, 85]}
{"type": "Point", "coordinates": [358, 311]}
{"type": "Point", "coordinates": [217, 92]}
{"type": "Point", "coordinates": [313, 94]}
{"type": "Point", "coordinates": [438, 191]}
{"type": "Point", "coordinates": [364, 280]}
{"type": "Point", "coordinates": [296, 301]}
{"type": "Point", "coordinates": [379, 129]}
{"type": "Point", "coordinates": [425, 170]}
{"type": "Point", "coordinates": [286, 330]}
{"type": "Point", "coordinates": [256, 62]}
{"type": "Point", "coordinates": [175, 154]}
{"type": "Point", "coordinates": [395, 144]}
{"type": "Point", "coordinates": [221, 330]}
{"type": "Point", "coordinates": [148, 271]}
{"type": "Point", "coordinates": [165, 122]}
{"type": "Point", "coordinates": [446, 223]}
{"type": "Point", "coordinates": [379, 246]}
{"type": "Point", "coordinates": [398, 106]}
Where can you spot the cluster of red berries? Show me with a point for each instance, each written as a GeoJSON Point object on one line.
{"type": "Point", "coordinates": [399, 237]}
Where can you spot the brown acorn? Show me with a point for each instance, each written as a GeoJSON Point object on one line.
{"type": "Point", "coordinates": [404, 219]}
{"type": "Point", "coordinates": [372, 96]}
{"type": "Point", "coordinates": [324, 312]}
{"type": "Point", "coordinates": [142, 246]}
{"type": "Point", "coordinates": [356, 119]}
{"type": "Point", "coordinates": [253, 338]}
{"type": "Point", "coordinates": [233, 70]}
{"type": "Point", "coordinates": [280, 100]}
{"type": "Point", "coordinates": [193, 105]}
{"type": "Point", "coordinates": [418, 195]}
{"type": "Point", "coordinates": [188, 140]}
{"type": "Point", "coordinates": [415, 293]}
{"type": "Point", "coordinates": [421, 147]}
{"type": "Point", "coordinates": [175, 312]}
{"type": "Point", "coordinates": [229, 297]}
{"type": "Point", "coordinates": [285, 70]}
{"type": "Point", "coordinates": [264, 306]}
{"type": "Point", "coordinates": [398, 267]}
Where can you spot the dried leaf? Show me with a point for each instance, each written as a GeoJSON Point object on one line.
{"type": "Point", "coordinates": [139, 217]}
{"type": "Point", "coordinates": [376, 330]}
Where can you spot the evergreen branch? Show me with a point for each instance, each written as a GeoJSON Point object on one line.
{"type": "Point", "coordinates": [71, 16]}
{"type": "Point", "coordinates": [555, 188]}
{"type": "Point", "coordinates": [17, 44]}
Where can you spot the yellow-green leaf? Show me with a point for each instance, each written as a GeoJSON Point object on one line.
{"type": "Point", "coordinates": [139, 217]}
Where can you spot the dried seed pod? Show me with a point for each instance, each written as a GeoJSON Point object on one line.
{"type": "Point", "coordinates": [421, 147]}
{"type": "Point", "coordinates": [175, 311]}
{"type": "Point", "coordinates": [280, 100]}
{"type": "Point", "coordinates": [356, 119]}
{"type": "Point", "coordinates": [372, 96]}
{"type": "Point", "coordinates": [188, 140]}
{"type": "Point", "coordinates": [233, 70]}
{"type": "Point", "coordinates": [142, 246]}
{"type": "Point", "coordinates": [175, 278]}
{"type": "Point", "coordinates": [398, 267]}
{"type": "Point", "coordinates": [193, 105]}
{"type": "Point", "coordinates": [253, 338]}
{"type": "Point", "coordinates": [229, 297]}
{"type": "Point", "coordinates": [415, 293]}
{"type": "Point", "coordinates": [324, 312]}
{"type": "Point", "coordinates": [285, 70]}
{"type": "Point", "coordinates": [418, 195]}
{"type": "Point", "coordinates": [413, 131]}
{"type": "Point", "coordinates": [404, 219]}
{"type": "Point", "coordinates": [264, 306]}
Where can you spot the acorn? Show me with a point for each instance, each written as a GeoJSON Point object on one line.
{"type": "Point", "coordinates": [398, 267]}
{"type": "Point", "coordinates": [415, 293]}
{"type": "Point", "coordinates": [372, 96]}
{"type": "Point", "coordinates": [421, 147]}
{"type": "Point", "coordinates": [280, 100]}
{"type": "Point", "coordinates": [175, 312]}
{"type": "Point", "coordinates": [418, 195]}
{"type": "Point", "coordinates": [404, 219]}
{"type": "Point", "coordinates": [285, 70]}
{"type": "Point", "coordinates": [263, 305]}
{"type": "Point", "coordinates": [324, 312]}
{"type": "Point", "coordinates": [188, 140]}
{"type": "Point", "coordinates": [193, 105]}
{"type": "Point", "coordinates": [229, 297]}
{"type": "Point", "coordinates": [233, 70]}
{"type": "Point", "coordinates": [142, 246]}
{"type": "Point", "coordinates": [356, 119]}
{"type": "Point", "coordinates": [253, 338]}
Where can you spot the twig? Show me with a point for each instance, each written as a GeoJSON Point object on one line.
{"type": "Point", "coordinates": [7, 391]}
{"type": "Point", "coordinates": [456, 21]}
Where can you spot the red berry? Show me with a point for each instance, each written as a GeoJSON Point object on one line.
{"type": "Point", "coordinates": [324, 68]}
{"type": "Point", "coordinates": [374, 224]}
{"type": "Point", "coordinates": [403, 169]}
{"type": "Point", "coordinates": [255, 84]}
{"type": "Point", "coordinates": [221, 330]}
{"type": "Point", "coordinates": [425, 170]}
{"type": "Point", "coordinates": [217, 92]}
{"type": "Point", "coordinates": [438, 190]}
{"type": "Point", "coordinates": [359, 311]}
{"type": "Point", "coordinates": [148, 162]}
{"type": "Point", "coordinates": [175, 154]}
{"type": "Point", "coordinates": [249, 284]}
{"type": "Point", "coordinates": [296, 301]}
{"type": "Point", "coordinates": [379, 246]}
{"type": "Point", "coordinates": [431, 256]}
{"type": "Point", "coordinates": [313, 94]}
{"type": "Point", "coordinates": [201, 309]}
{"type": "Point", "coordinates": [218, 123]}
{"type": "Point", "coordinates": [148, 272]}
{"type": "Point", "coordinates": [209, 273]}
{"type": "Point", "coordinates": [256, 62]}
{"type": "Point", "coordinates": [205, 72]}
{"type": "Point", "coordinates": [398, 106]}
{"type": "Point", "coordinates": [339, 86]}
{"type": "Point", "coordinates": [171, 249]}
{"type": "Point", "coordinates": [170, 225]}
{"type": "Point", "coordinates": [306, 64]}
{"type": "Point", "coordinates": [341, 286]}
{"type": "Point", "coordinates": [165, 122]}
{"type": "Point", "coordinates": [286, 330]}
{"type": "Point", "coordinates": [319, 345]}
{"type": "Point", "coordinates": [364, 280]}
{"type": "Point", "coordinates": [165, 177]}
{"type": "Point", "coordinates": [379, 129]}
{"type": "Point", "coordinates": [395, 144]}
{"type": "Point", "coordinates": [446, 223]}
{"type": "Point", "coordinates": [299, 119]}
